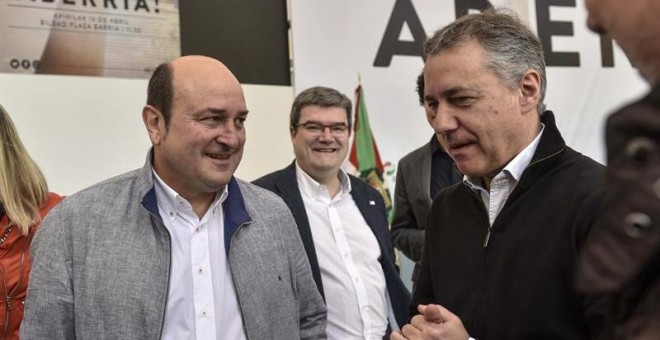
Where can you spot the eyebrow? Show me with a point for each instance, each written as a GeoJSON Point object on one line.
{"type": "Point", "coordinates": [459, 89]}
{"type": "Point", "coordinates": [452, 92]}
{"type": "Point", "coordinates": [320, 123]}
{"type": "Point", "coordinates": [218, 111]}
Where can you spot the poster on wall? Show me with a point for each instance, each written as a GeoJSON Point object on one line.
{"type": "Point", "coordinates": [111, 38]}
{"type": "Point", "coordinates": [380, 41]}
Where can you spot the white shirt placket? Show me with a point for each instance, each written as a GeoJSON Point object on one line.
{"type": "Point", "coordinates": [202, 281]}
{"type": "Point", "coordinates": [347, 258]}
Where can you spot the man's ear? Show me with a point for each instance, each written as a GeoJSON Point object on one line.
{"type": "Point", "coordinates": [530, 89]}
{"type": "Point", "coordinates": [155, 123]}
{"type": "Point", "coordinates": [292, 131]}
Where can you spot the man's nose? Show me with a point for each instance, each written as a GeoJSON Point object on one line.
{"type": "Point", "coordinates": [443, 121]}
{"type": "Point", "coordinates": [326, 133]}
{"type": "Point", "coordinates": [230, 135]}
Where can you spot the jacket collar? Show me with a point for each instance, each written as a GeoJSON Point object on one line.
{"type": "Point", "coordinates": [654, 96]}
{"type": "Point", "coordinates": [234, 206]}
{"type": "Point", "coordinates": [550, 147]}
{"type": "Point", "coordinates": [551, 141]}
{"type": "Point", "coordinates": [235, 211]}
{"type": "Point", "coordinates": [145, 186]}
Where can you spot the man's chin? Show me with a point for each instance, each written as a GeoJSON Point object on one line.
{"type": "Point", "coordinates": [470, 172]}
{"type": "Point", "coordinates": [465, 169]}
{"type": "Point", "coordinates": [218, 182]}
{"type": "Point", "coordinates": [325, 167]}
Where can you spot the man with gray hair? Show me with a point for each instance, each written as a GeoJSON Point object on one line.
{"type": "Point", "coordinates": [341, 220]}
{"type": "Point", "coordinates": [502, 246]}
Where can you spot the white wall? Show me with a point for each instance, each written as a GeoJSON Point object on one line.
{"type": "Point", "coordinates": [581, 97]}
{"type": "Point", "coordinates": [81, 130]}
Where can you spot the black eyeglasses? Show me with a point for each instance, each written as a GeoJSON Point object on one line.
{"type": "Point", "coordinates": [316, 128]}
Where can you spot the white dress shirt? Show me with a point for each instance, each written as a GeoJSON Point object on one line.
{"type": "Point", "coordinates": [505, 181]}
{"type": "Point", "coordinates": [202, 302]}
{"type": "Point", "coordinates": [348, 255]}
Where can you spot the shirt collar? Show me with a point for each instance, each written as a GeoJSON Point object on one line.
{"type": "Point", "coordinates": [171, 203]}
{"type": "Point", "coordinates": [313, 189]}
{"type": "Point", "coordinates": [515, 167]}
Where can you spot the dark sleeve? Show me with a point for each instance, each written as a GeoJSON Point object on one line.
{"type": "Point", "coordinates": [406, 234]}
{"type": "Point", "coordinates": [595, 305]}
{"type": "Point", "coordinates": [423, 290]}
{"type": "Point", "coordinates": [621, 257]}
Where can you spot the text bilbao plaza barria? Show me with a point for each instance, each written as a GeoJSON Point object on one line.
{"type": "Point", "coordinates": [404, 14]}
{"type": "Point", "coordinates": [143, 6]}
{"type": "Point", "coordinates": [97, 23]}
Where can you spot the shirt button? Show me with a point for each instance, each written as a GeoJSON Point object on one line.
{"type": "Point", "coordinates": [172, 213]}
{"type": "Point", "coordinates": [200, 270]}
{"type": "Point", "coordinates": [204, 313]}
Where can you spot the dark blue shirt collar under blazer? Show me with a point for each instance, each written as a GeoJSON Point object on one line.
{"type": "Point", "coordinates": [285, 184]}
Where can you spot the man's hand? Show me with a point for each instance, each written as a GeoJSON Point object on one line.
{"type": "Point", "coordinates": [434, 322]}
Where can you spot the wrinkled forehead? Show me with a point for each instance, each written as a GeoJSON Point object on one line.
{"type": "Point", "coordinates": [463, 63]}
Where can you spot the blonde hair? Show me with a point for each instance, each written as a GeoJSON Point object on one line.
{"type": "Point", "coordinates": [23, 188]}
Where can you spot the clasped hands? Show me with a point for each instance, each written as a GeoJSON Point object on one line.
{"type": "Point", "coordinates": [433, 322]}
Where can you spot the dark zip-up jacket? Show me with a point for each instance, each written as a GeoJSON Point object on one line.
{"type": "Point", "coordinates": [519, 286]}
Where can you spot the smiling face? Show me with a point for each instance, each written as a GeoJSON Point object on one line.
{"type": "Point", "coordinates": [634, 26]}
{"type": "Point", "coordinates": [203, 145]}
{"type": "Point", "coordinates": [320, 155]}
{"type": "Point", "coordinates": [484, 123]}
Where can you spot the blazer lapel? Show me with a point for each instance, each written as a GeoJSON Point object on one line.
{"type": "Point", "coordinates": [424, 169]}
{"type": "Point", "coordinates": [367, 208]}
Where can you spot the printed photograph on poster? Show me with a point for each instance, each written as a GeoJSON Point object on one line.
{"type": "Point", "coordinates": [111, 38]}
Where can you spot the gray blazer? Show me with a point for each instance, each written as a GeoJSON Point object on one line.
{"type": "Point", "coordinates": [101, 264]}
{"type": "Point", "coordinates": [412, 202]}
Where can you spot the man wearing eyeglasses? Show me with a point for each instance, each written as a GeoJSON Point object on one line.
{"type": "Point", "coordinates": [341, 220]}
